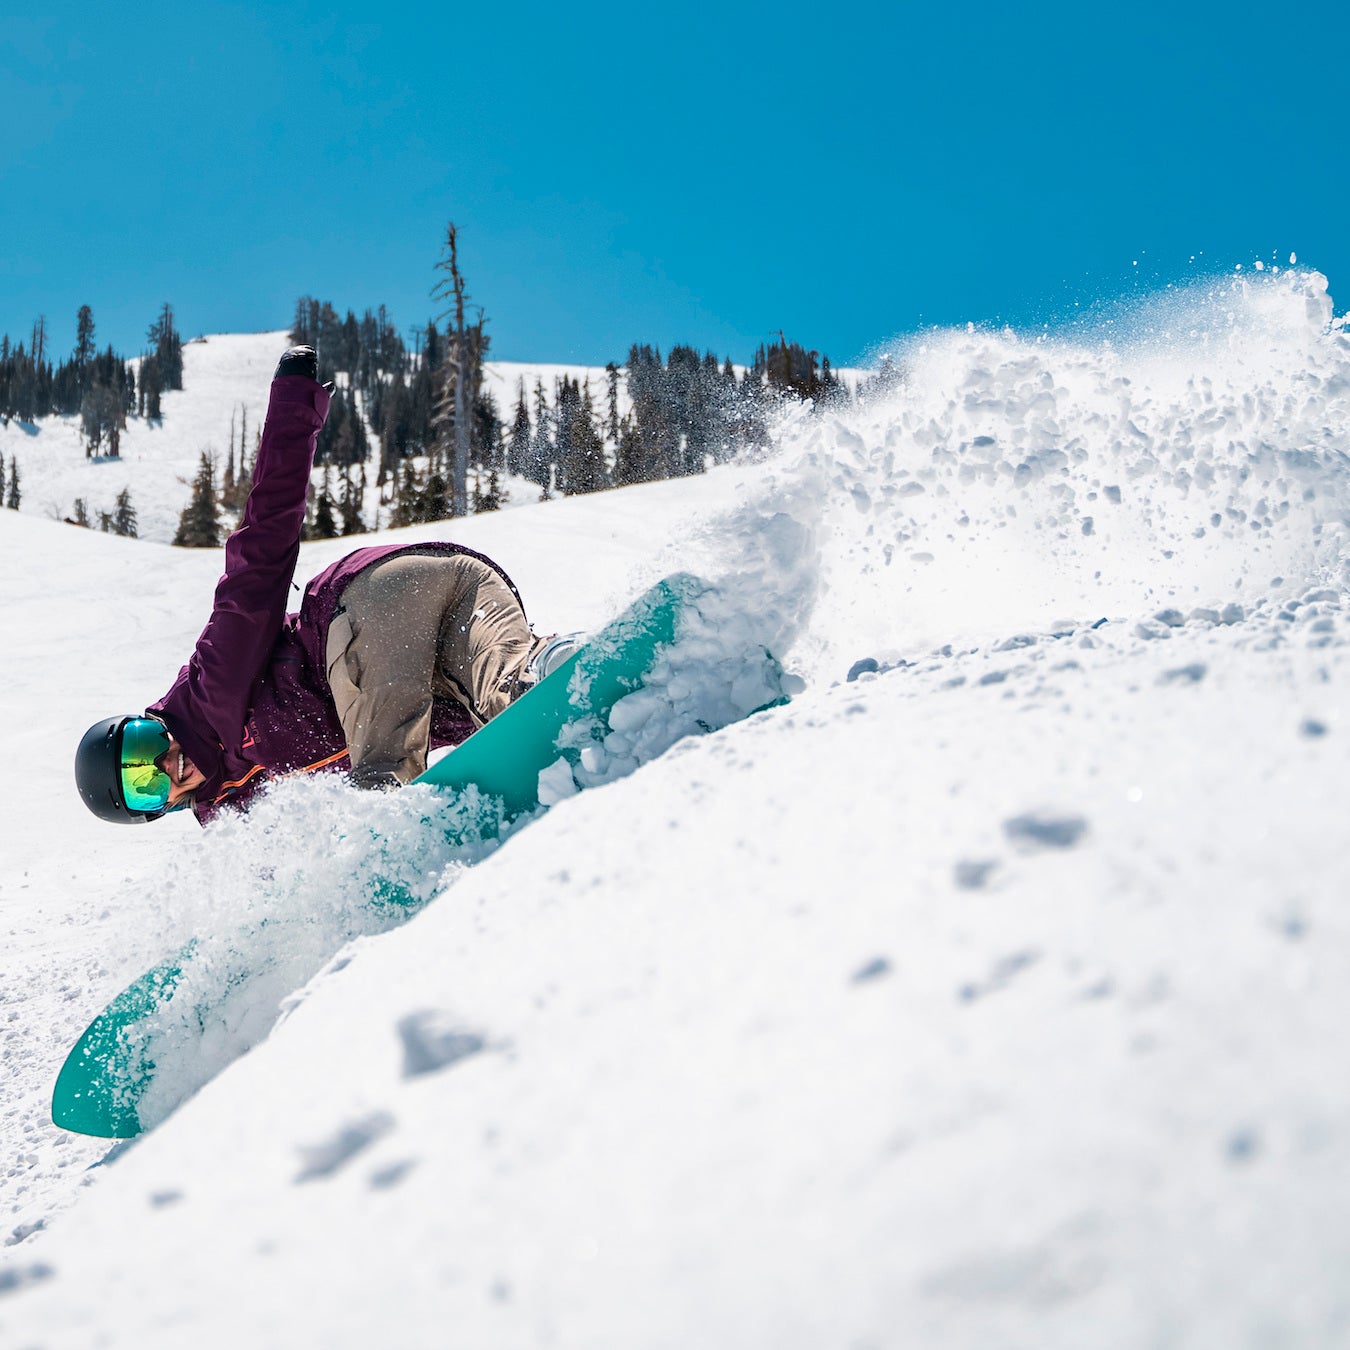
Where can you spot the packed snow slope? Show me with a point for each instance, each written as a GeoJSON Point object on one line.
{"type": "Point", "coordinates": [992, 992]}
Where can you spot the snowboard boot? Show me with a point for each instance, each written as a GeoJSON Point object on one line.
{"type": "Point", "coordinates": [550, 653]}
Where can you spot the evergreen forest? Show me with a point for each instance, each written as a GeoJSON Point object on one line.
{"type": "Point", "coordinates": [412, 434]}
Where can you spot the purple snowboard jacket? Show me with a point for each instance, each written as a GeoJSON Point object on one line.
{"type": "Point", "coordinates": [253, 701]}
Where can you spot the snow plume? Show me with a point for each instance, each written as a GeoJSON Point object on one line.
{"type": "Point", "coordinates": [1015, 483]}
{"type": "Point", "coordinates": [275, 895]}
{"type": "Point", "coordinates": [1196, 462]}
{"type": "Point", "coordinates": [758, 571]}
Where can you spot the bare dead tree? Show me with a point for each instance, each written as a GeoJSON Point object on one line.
{"type": "Point", "coordinates": [459, 373]}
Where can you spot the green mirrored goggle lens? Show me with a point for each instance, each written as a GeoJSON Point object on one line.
{"type": "Point", "coordinates": [145, 786]}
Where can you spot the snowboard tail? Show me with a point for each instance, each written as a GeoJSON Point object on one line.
{"type": "Point", "coordinates": [100, 1085]}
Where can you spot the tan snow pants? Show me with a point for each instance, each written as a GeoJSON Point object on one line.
{"type": "Point", "coordinates": [416, 627]}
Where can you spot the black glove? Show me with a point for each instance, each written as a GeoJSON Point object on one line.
{"type": "Point", "coordinates": [299, 361]}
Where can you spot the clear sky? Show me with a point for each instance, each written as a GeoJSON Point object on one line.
{"type": "Point", "coordinates": [663, 173]}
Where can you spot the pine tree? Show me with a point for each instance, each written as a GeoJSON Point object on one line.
{"type": "Point", "coordinates": [124, 517]}
{"type": "Point", "coordinates": [342, 440]}
{"type": "Point", "coordinates": [353, 495]}
{"type": "Point", "coordinates": [101, 418]}
{"type": "Point", "coordinates": [487, 497]}
{"type": "Point", "coordinates": [2, 479]}
{"type": "Point", "coordinates": [407, 509]}
{"type": "Point", "coordinates": [791, 369]}
{"type": "Point", "coordinates": [539, 462]}
{"type": "Point", "coordinates": [300, 334]}
{"type": "Point", "coordinates": [199, 525]}
{"type": "Point", "coordinates": [324, 525]}
{"type": "Point", "coordinates": [14, 497]}
{"type": "Point", "coordinates": [612, 402]}
{"type": "Point", "coordinates": [84, 336]}
{"type": "Point", "coordinates": [233, 488]}
{"type": "Point", "coordinates": [487, 449]}
{"type": "Point", "coordinates": [651, 451]}
{"type": "Point", "coordinates": [152, 387]}
{"type": "Point", "coordinates": [168, 349]}
{"type": "Point", "coordinates": [628, 454]}
{"type": "Point", "coordinates": [435, 503]}
{"type": "Point", "coordinates": [587, 471]}
{"type": "Point", "coordinates": [518, 448]}
{"type": "Point", "coordinates": [243, 480]}
{"type": "Point", "coordinates": [81, 516]}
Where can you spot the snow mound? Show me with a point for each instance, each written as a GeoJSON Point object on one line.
{"type": "Point", "coordinates": [983, 994]}
{"type": "Point", "coordinates": [1011, 487]}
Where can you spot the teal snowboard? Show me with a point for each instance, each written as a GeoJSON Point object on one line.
{"type": "Point", "coordinates": [105, 1077]}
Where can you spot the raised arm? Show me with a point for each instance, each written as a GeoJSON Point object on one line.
{"type": "Point", "coordinates": [209, 702]}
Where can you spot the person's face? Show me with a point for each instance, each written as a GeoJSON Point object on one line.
{"type": "Point", "coordinates": [185, 776]}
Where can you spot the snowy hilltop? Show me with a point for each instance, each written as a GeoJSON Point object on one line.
{"type": "Point", "coordinates": [988, 992]}
{"type": "Point", "coordinates": [222, 403]}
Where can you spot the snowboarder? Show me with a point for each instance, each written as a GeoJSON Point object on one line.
{"type": "Point", "coordinates": [395, 650]}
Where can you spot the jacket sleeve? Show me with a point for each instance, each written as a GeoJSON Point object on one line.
{"type": "Point", "coordinates": [208, 705]}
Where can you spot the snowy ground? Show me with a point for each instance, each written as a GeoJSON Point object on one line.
{"type": "Point", "coordinates": [990, 993]}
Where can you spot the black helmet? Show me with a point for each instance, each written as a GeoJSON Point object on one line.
{"type": "Point", "coordinates": [98, 772]}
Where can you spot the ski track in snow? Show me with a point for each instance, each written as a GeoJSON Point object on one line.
{"type": "Point", "coordinates": [986, 993]}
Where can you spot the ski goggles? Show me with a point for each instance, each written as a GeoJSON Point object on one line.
{"type": "Point", "coordinates": [145, 785]}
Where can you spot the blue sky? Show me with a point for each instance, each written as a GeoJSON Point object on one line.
{"type": "Point", "coordinates": [659, 173]}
